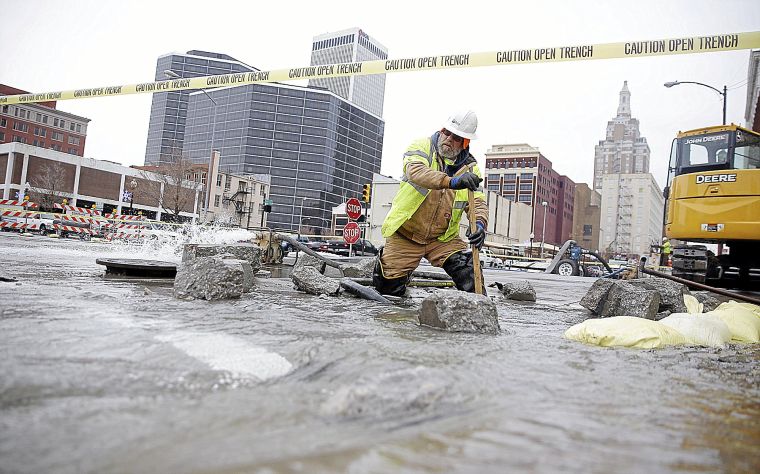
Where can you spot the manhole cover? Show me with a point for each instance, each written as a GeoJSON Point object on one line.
{"type": "Point", "coordinates": [135, 267]}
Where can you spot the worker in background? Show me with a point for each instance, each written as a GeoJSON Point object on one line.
{"type": "Point", "coordinates": [438, 173]}
{"type": "Point", "coordinates": [665, 255]}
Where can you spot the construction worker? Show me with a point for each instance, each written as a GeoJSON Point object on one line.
{"type": "Point", "coordinates": [423, 221]}
{"type": "Point", "coordinates": [665, 255]}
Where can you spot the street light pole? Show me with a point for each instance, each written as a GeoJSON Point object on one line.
{"type": "Point", "coordinates": [300, 217]}
{"type": "Point", "coordinates": [173, 75]}
{"type": "Point", "coordinates": [724, 93]}
{"type": "Point", "coordinates": [132, 187]}
{"type": "Point", "coordinates": [543, 229]}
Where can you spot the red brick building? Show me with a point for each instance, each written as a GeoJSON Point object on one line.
{"type": "Point", "coordinates": [41, 125]}
{"type": "Point", "coordinates": [519, 172]}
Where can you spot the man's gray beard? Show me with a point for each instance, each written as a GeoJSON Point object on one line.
{"type": "Point", "coordinates": [450, 153]}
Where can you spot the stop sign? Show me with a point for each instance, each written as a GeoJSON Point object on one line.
{"type": "Point", "coordinates": [351, 233]}
{"type": "Point", "coordinates": [353, 208]}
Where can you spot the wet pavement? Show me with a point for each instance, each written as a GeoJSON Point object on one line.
{"type": "Point", "coordinates": [102, 375]}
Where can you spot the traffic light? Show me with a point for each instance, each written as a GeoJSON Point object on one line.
{"type": "Point", "coordinates": [367, 192]}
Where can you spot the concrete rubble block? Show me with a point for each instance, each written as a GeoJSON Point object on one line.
{"type": "Point", "coordinates": [708, 300]}
{"type": "Point", "coordinates": [308, 279]}
{"type": "Point", "coordinates": [519, 290]}
{"type": "Point", "coordinates": [306, 260]}
{"type": "Point", "coordinates": [625, 299]}
{"type": "Point", "coordinates": [244, 251]}
{"type": "Point", "coordinates": [361, 269]}
{"type": "Point", "coordinates": [209, 278]}
{"type": "Point", "coordinates": [671, 292]}
{"type": "Point", "coordinates": [457, 311]}
{"type": "Point", "coordinates": [595, 297]}
{"type": "Point", "coordinates": [249, 279]}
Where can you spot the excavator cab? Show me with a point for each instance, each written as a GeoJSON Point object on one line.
{"type": "Point", "coordinates": [713, 197]}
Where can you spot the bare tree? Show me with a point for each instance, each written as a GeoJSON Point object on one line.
{"type": "Point", "coordinates": [47, 185]}
{"type": "Point", "coordinates": [170, 184]}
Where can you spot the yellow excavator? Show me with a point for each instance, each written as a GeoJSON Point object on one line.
{"type": "Point", "coordinates": [713, 197]}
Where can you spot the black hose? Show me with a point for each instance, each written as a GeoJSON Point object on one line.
{"type": "Point", "coordinates": [309, 251]}
{"type": "Point", "coordinates": [599, 257]}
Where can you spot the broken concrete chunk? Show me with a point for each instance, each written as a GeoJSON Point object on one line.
{"type": "Point", "coordinates": [209, 278]}
{"type": "Point", "coordinates": [243, 251]}
{"type": "Point", "coordinates": [457, 311]}
{"type": "Point", "coordinates": [519, 290]}
{"type": "Point", "coordinates": [310, 280]}
{"type": "Point", "coordinates": [671, 292]}
{"type": "Point", "coordinates": [306, 260]}
{"type": "Point", "coordinates": [625, 299]}
{"type": "Point", "coordinates": [709, 300]}
{"type": "Point", "coordinates": [596, 295]}
{"type": "Point", "coordinates": [248, 275]}
{"type": "Point", "coordinates": [360, 269]}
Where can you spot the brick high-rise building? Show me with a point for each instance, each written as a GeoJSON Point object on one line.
{"type": "Point", "coordinates": [519, 172]}
{"type": "Point", "coordinates": [42, 125]}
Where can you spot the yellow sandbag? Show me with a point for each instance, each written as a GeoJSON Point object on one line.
{"type": "Point", "coordinates": [700, 331]}
{"type": "Point", "coordinates": [624, 331]}
{"type": "Point", "coordinates": [749, 306]}
{"type": "Point", "coordinates": [741, 320]}
{"type": "Point", "coordinates": [693, 306]}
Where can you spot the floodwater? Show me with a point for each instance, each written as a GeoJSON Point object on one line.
{"type": "Point", "coordinates": [117, 376]}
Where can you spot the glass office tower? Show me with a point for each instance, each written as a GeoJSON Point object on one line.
{"type": "Point", "coordinates": [347, 46]}
{"type": "Point", "coordinates": [168, 111]}
{"type": "Point", "coordinates": [318, 148]}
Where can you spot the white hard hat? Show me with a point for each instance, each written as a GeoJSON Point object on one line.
{"type": "Point", "coordinates": [463, 123]}
{"type": "Point", "coordinates": [664, 239]}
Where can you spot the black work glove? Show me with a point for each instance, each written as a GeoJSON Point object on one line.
{"type": "Point", "coordinates": [478, 237]}
{"type": "Point", "coordinates": [465, 181]}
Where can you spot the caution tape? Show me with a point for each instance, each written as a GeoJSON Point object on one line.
{"type": "Point", "coordinates": [579, 52]}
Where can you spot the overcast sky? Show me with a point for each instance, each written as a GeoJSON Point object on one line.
{"type": "Point", "coordinates": [562, 108]}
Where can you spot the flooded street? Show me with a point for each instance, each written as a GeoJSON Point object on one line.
{"type": "Point", "coordinates": [118, 376]}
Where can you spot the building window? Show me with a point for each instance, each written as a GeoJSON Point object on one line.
{"type": "Point", "coordinates": [72, 126]}
{"type": "Point", "coordinates": [526, 186]}
{"type": "Point", "coordinates": [526, 176]}
{"type": "Point", "coordinates": [73, 151]}
{"type": "Point", "coordinates": [21, 127]}
{"type": "Point", "coordinates": [58, 136]}
{"type": "Point", "coordinates": [5, 109]}
{"type": "Point", "coordinates": [79, 128]}
{"type": "Point", "coordinates": [242, 186]}
{"type": "Point", "coordinates": [493, 186]}
{"type": "Point", "coordinates": [219, 180]}
{"type": "Point", "coordinates": [216, 201]}
{"type": "Point", "coordinates": [510, 176]}
{"type": "Point", "coordinates": [44, 119]}
{"type": "Point", "coordinates": [509, 187]}
{"type": "Point", "coordinates": [3, 123]}
{"type": "Point", "coordinates": [18, 139]}
{"type": "Point", "coordinates": [55, 122]}
{"type": "Point", "coordinates": [62, 123]}
{"type": "Point", "coordinates": [2, 137]}
{"type": "Point", "coordinates": [73, 140]}
{"type": "Point", "coordinates": [524, 198]}
{"type": "Point", "coordinates": [228, 182]}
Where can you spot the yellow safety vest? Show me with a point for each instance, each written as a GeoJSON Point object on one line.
{"type": "Point", "coordinates": [411, 195]}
